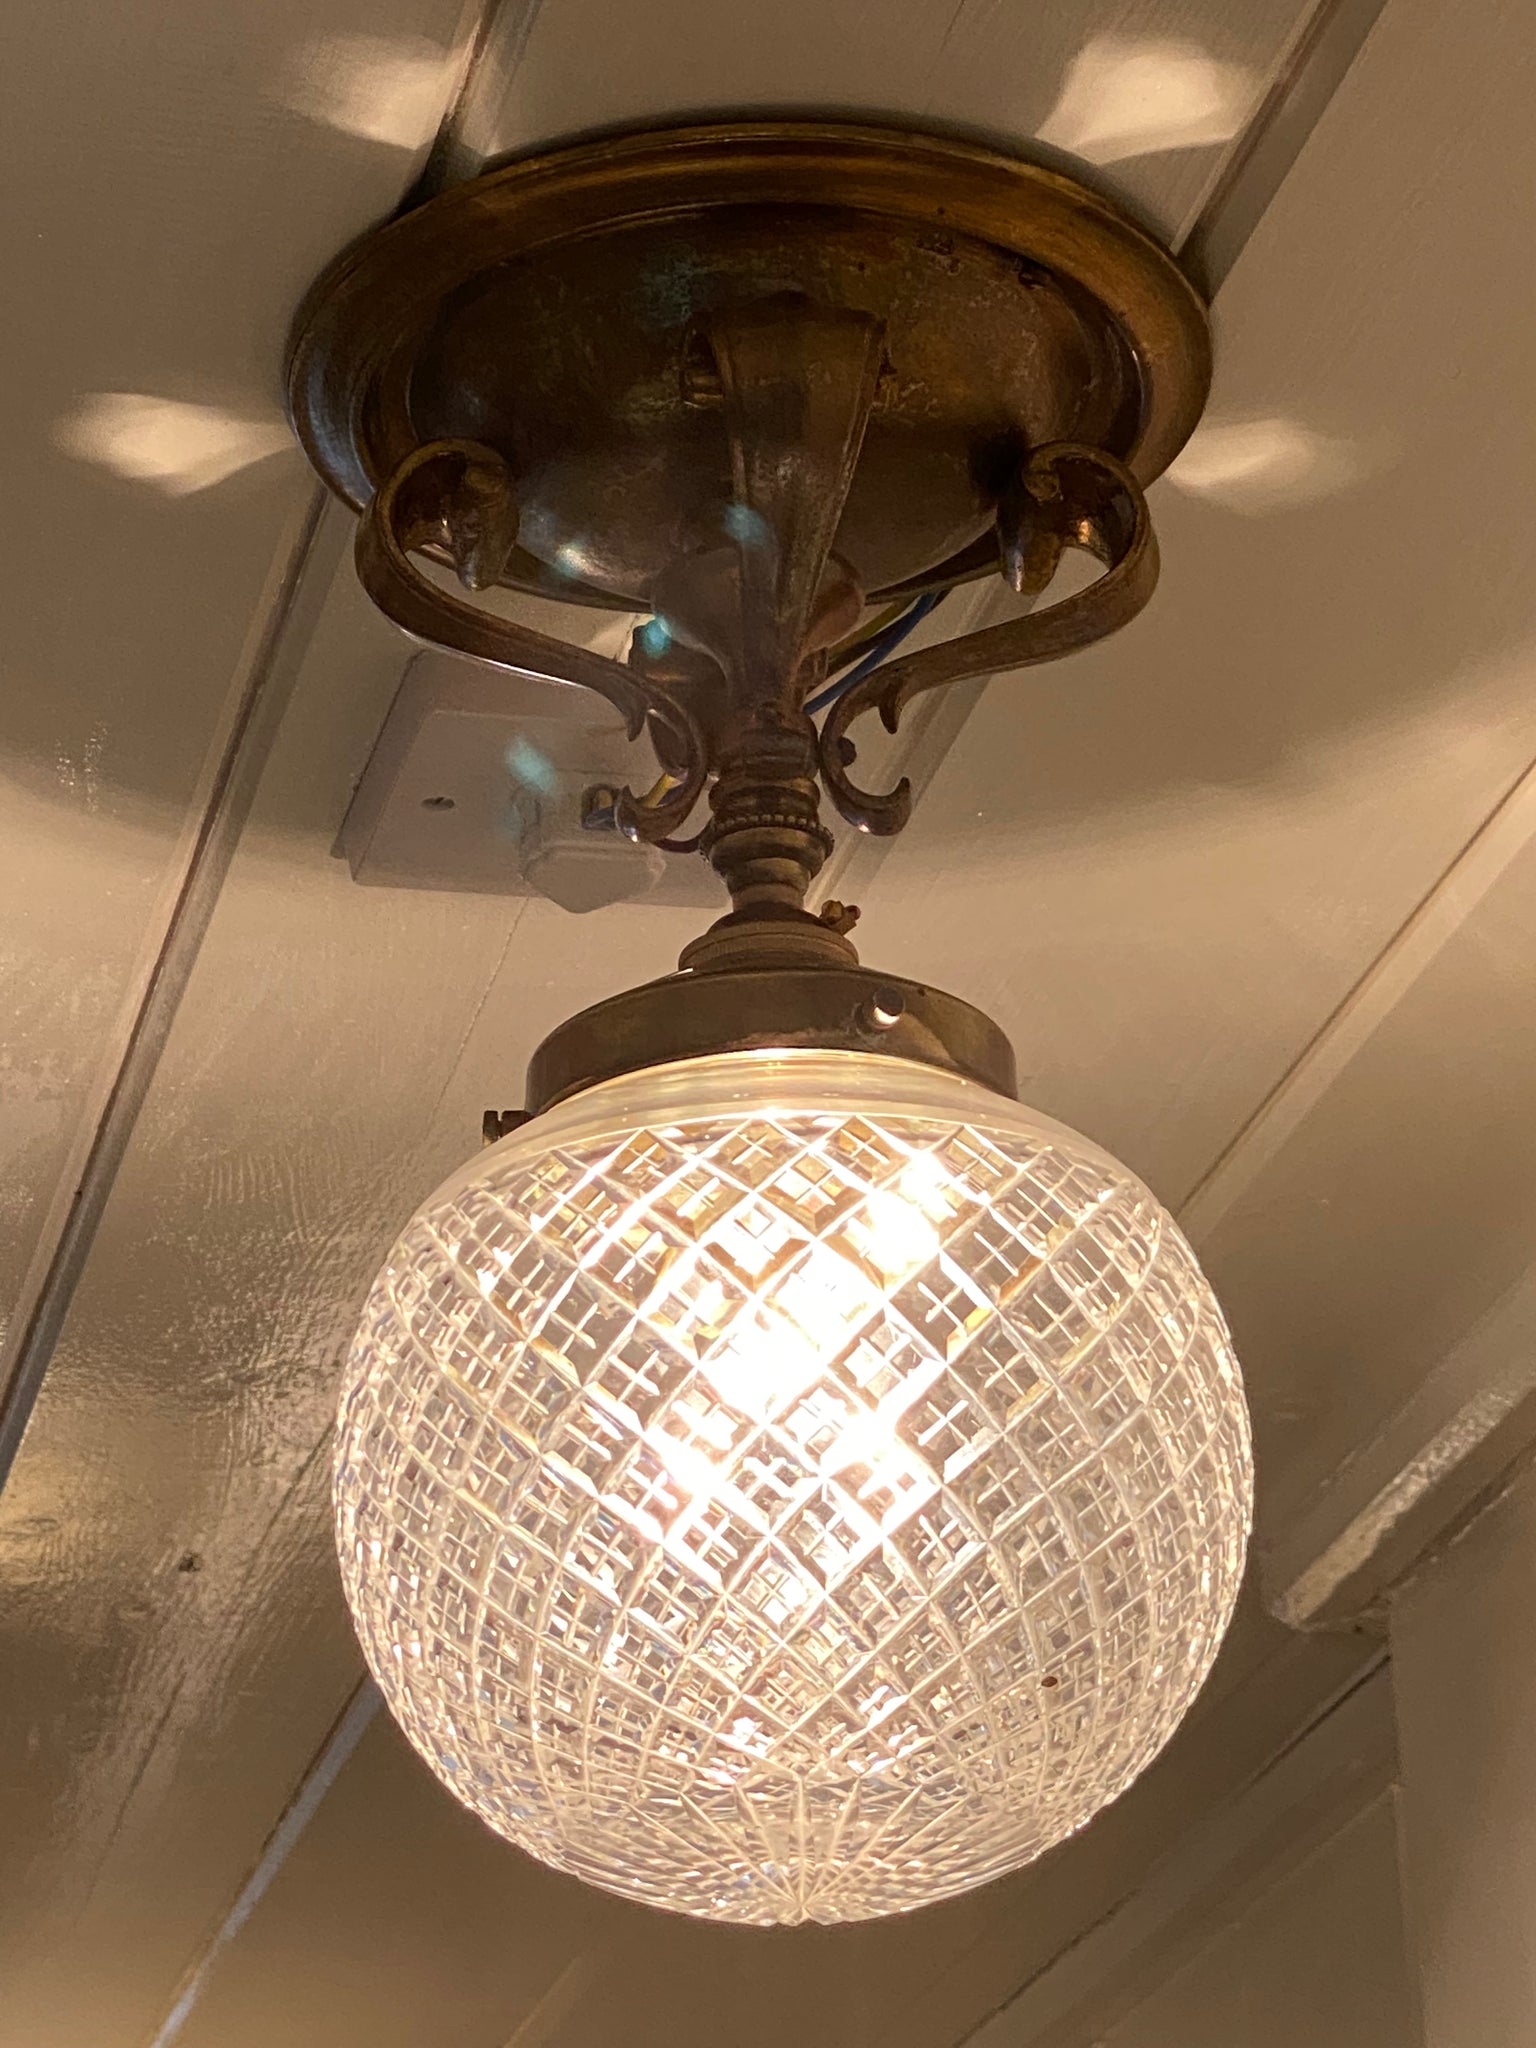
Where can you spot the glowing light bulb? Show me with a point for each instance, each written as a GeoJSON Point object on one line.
{"type": "Point", "coordinates": [791, 1486]}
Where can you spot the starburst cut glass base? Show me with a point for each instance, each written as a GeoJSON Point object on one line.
{"type": "Point", "coordinates": [791, 1486]}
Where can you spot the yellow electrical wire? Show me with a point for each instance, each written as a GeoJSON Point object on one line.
{"type": "Point", "coordinates": [856, 642]}
{"type": "Point", "coordinates": [658, 789]}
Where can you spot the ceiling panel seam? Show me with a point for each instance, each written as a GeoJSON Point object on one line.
{"type": "Point", "coordinates": [1434, 920]}
{"type": "Point", "coordinates": [1247, 180]}
{"type": "Point", "coordinates": [494, 38]}
{"type": "Point", "coordinates": [302, 569]}
{"type": "Point", "coordinates": [324, 1768]}
{"type": "Point", "coordinates": [494, 48]}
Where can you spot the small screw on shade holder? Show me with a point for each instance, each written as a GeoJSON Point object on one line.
{"type": "Point", "coordinates": [883, 1010]}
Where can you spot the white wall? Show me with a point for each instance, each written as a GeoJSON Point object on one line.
{"type": "Point", "coordinates": [1316, 1960]}
{"type": "Point", "coordinates": [1275, 1922]}
{"type": "Point", "coordinates": [1422, 1897]}
{"type": "Point", "coordinates": [1464, 1680]}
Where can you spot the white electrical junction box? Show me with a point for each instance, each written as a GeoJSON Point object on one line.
{"type": "Point", "coordinates": [476, 782]}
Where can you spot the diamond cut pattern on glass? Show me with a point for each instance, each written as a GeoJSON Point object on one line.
{"type": "Point", "coordinates": [792, 1487]}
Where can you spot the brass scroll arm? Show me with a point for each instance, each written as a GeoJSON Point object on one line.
{"type": "Point", "coordinates": [458, 495]}
{"type": "Point", "coordinates": [1065, 495]}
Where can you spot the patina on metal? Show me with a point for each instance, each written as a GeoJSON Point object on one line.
{"type": "Point", "coordinates": [753, 379]}
{"type": "Point", "coordinates": [845, 1008]}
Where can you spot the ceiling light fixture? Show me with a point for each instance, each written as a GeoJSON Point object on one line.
{"type": "Point", "coordinates": [782, 1477]}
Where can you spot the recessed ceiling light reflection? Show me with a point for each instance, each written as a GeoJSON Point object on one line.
{"type": "Point", "coordinates": [1257, 466]}
{"type": "Point", "coordinates": [1133, 95]}
{"type": "Point", "coordinates": [171, 443]}
{"type": "Point", "coordinates": [385, 89]}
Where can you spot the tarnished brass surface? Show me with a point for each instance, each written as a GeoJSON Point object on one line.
{"type": "Point", "coordinates": [1065, 496]}
{"type": "Point", "coordinates": [848, 1008]}
{"type": "Point", "coordinates": [551, 310]}
{"type": "Point", "coordinates": [752, 379]}
{"type": "Point", "coordinates": [461, 496]}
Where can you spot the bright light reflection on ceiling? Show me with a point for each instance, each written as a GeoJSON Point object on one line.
{"type": "Point", "coordinates": [168, 442]}
{"type": "Point", "coordinates": [385, 89]}
{"type": "Point", "coordinates": [1257, 466]}
{"type": "Point", "coordinates": [1133, 95]}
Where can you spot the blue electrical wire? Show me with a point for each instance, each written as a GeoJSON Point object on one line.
{"type": "Point", "coordinates": [886, 643]}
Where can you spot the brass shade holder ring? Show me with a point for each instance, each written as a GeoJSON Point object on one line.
{"type": "Point", "coordinates": [842, 1007]}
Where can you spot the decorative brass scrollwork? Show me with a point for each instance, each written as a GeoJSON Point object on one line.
{"type": "Point", "coordinates": [458, 496]}
{"type": "Point", "coordinates": [778, 384]}
{"type": "Point", "coordinates": [1064, 496]}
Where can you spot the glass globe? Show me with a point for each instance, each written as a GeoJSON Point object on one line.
{"type": "Point", "coordinates": [791, 1486]}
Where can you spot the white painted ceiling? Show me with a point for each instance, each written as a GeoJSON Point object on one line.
{"type": "Point", "coordinates": [1252, 888]}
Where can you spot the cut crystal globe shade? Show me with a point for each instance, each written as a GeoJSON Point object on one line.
{"type": "Point", "coordinates": [791, 1486]}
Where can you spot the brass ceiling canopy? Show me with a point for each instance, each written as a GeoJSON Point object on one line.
{"type": "Point", "coordinates": [560, 311]}
{"type": "Point", "coordinates": [754, 379]}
